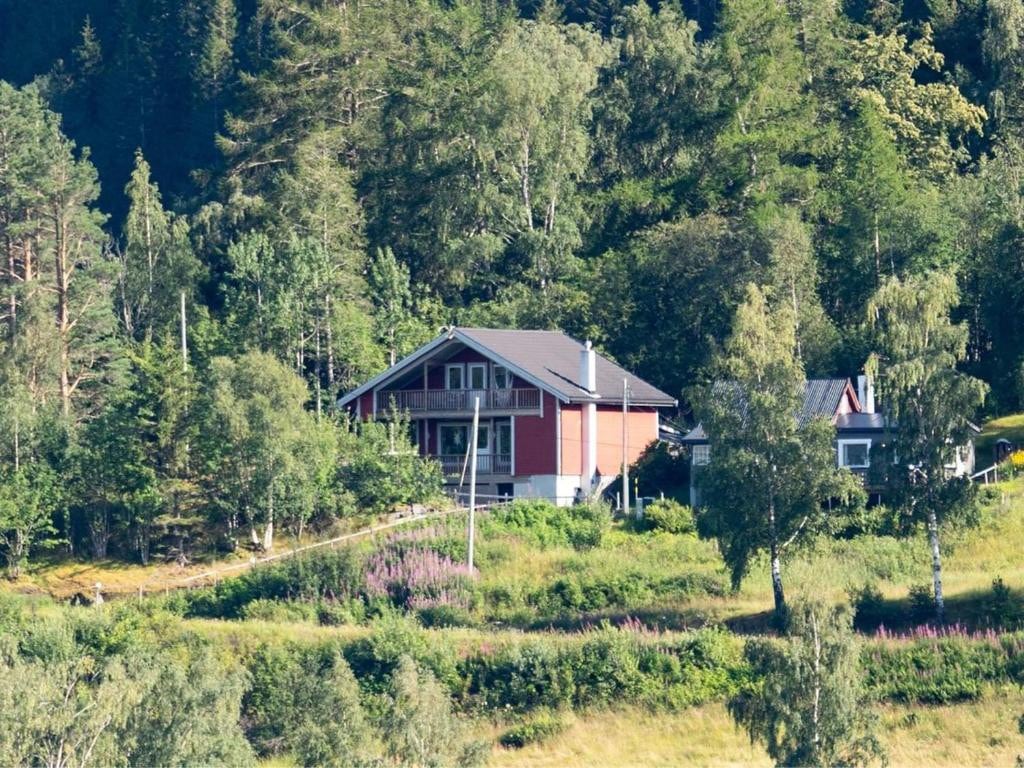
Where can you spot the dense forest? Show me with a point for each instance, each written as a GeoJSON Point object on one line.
{"type": "Point", "coordinates": [317, 186]}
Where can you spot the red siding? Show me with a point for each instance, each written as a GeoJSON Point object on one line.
{"type": "Point", "coordinates": [643, 430]}
{"type": "Point", "coordinates": [535, 441]}
{"type": "Point", "coordinates": [572, 439]}
{"type": "Point", "coordinates": [366, 405]}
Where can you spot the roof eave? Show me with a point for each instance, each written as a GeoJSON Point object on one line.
{"type": "Point", "coordinates": [393, 370]}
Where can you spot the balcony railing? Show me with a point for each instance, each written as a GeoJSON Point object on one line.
{"type": "Point", "coordinates": [486, 464]}
{"type": "Point", "coordinates": [460, 400]}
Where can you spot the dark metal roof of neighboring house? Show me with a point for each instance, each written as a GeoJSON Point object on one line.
{"type": "Point", "coordinates": [821, 399]}
{"type": "Point", "coordinates": [548, 359]}
{"type": "Point", "coordinates": [860, 422]}
{"type": "Point", "coordinates": [554, 359]}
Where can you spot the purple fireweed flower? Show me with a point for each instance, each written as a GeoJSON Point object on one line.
{"type": "Point", "coordinates": [417, 577]}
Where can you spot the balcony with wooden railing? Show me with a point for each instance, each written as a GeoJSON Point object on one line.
{"type": "Point", "coordinates": [486, 464]}
{"type": "Point", "coordinates": [458, 400]}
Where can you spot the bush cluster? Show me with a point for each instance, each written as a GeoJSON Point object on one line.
{"type": "Point", "coordinates": [587, 593]}
{"type": "Point", "coordinates": [534, 729]}
{"type": "Point", "coordinates": [603, 667]}
{"type": "Point", "coordinates": [670, 516]}
{"type": "Point", "coordinates": [582, 526]}
{"type": "Point", "coordinates": [943, 669]}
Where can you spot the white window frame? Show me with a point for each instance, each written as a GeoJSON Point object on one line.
{"type": "Point", "coordinates": [841, 444]}
{"type": "Point", "coordinates": [701, 455]}
{"type": "Point", "coordinates": [470, 367]}
{"type": "Point", "coordinates": [508, 376]}
{"type": "Point", "coordinates": [447, 376]}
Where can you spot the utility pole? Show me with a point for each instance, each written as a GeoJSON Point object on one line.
{"type": "Point", "coordinates": [472, 478]}
{"type": "Point", "coordinates": [625, 446]}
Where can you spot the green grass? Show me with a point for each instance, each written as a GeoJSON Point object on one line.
{"type": "Point", "coordinates": [1006, 427]}
{"type": "Point", "coordinates": [978, 734]}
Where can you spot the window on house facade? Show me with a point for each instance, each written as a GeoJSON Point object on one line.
{"type": "Point", "coordinates": [502, 377]}
{"type": "Point", "coordinates": [452, 439]}
{"type": "Point", "coordinates": [855, 454]}
{"type": "Point", "coordinates": [503, 438]}
{"type": "Point", "coordinates": [701, 455]}
{"type": "Point", "coordinates": [453, 376]}
{"type": "Point", "coordinates": [478, 376]}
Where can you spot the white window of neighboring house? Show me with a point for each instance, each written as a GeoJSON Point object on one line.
{"type": "Point", "coordinates": [502, 377]}
{"type": "Point", "coordinates": [701, 455]}
{"type": "Point", "coordinates": [453, 376]}
{"type": "Point", "coordinates": [855, 454]}
{"type": "Point", "coordinates": [477, 376]}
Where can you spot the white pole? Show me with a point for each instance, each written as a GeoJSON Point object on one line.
{"type": "Point", "coordinates": [625, 447]}
{"type": "Point", "coordinates": [472, 478]}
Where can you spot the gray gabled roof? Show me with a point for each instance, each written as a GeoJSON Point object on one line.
{"type": "Point", "coordinates": [548, 359]}
{"type": "Point", "coordinates": [553, 359]}
{"type": "Point", "coordinates": [821, 399]}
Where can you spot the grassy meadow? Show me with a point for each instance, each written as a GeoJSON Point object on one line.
{"type": "Point", "coordinates": [522, 636]}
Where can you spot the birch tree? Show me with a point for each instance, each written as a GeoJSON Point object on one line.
{"type": "Point", "coordinates": [928, 403]}
{"type": "Point", "coordinates": [157, 260]}
{"type": "Point", "coordinates": [808, 704]}
{"type": "Point", "coordinates": [771, 472]}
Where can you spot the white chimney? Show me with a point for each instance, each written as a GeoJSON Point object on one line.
{"type": "Point", "coordinates": [866, 393]}
{"type": "Point", "coordinates": [588, 368]}
{"type": "Point", "coordinates": [588, 438]}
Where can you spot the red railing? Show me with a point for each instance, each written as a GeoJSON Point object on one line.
{"type": "Point", "coordinates": [459, 400]}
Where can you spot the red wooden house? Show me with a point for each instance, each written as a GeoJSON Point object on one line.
{"type": "Point", "coordinates": [551, 410]}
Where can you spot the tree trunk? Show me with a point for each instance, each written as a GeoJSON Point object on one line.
{"type": "Point", "coordinates": [776, 562]}
{"type": "Point", "coordinates": [933, 541]}
{"type": "Point", "coordinates": [816, 710]}
{"type": "Point", "coordinates": [13, 298]}
{"type": "Point", "coordinates": [268, 532]}
{"type": "Point", "coordinates": [62, 286]}
{"type": "Point", "coordinates": [99, 534]}
{"type": "Point", "coordinates": [330, 352]}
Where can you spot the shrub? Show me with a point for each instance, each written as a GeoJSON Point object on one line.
{"type": "Point", "coordinates": [1001, 609]}
{"type": "Point", "coordinates": [317, 575]}
{"type": "Point", "coordinates": [670, 516]}
{"type": "Point", "coordinates": [922, 603]}
{"type": "Point", "coordinates": [587, 593]}
{"type": "Point", "coordinates": [341, 613]}
{"type": "Point", "coordinates": [373, 659]}
{"type": "Point", "coordinates": [278, 611]}
{"type": "Point", "coordinates": [582, 526]}
{"type": "Point", "coordinates": [417, 578]}
{"type": "Point", "coordinates": [588, 524]}
{"type": "Point", "coordinates": [940, 670]}
{"type": "Point", "coordinates": [382, 470]}
{"type": "Point", "coordinates": [542, 725]}
{"type": "Point", "coordinates": [869, 608]}
{"type": "Point", "coordinates": [605, 666]}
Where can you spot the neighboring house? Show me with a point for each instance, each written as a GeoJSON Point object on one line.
{"type": "Point", "coordinates": [551, 410]}
{"type": "Point", "coordinates": [858, 429]}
